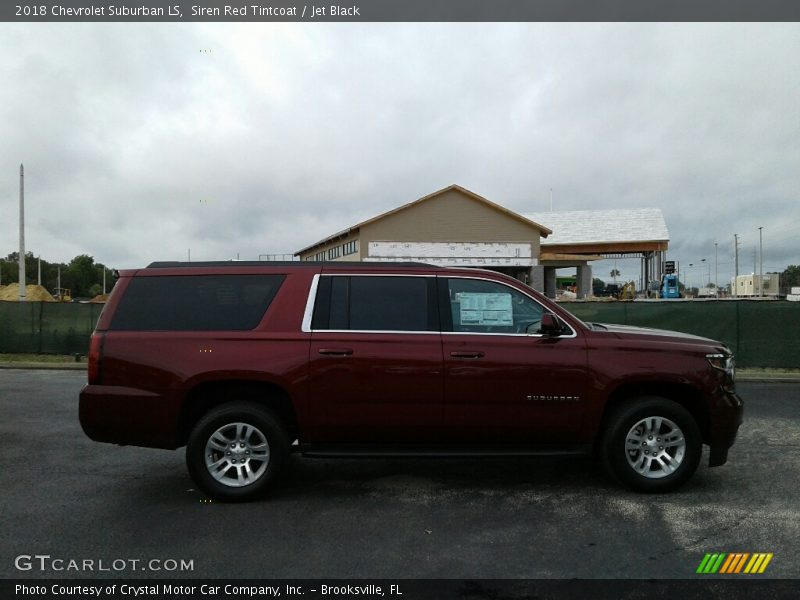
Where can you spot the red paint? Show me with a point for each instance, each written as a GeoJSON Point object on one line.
{"type": "Point", "coordinates": [368, 387]}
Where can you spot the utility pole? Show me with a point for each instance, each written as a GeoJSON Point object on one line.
{"type": "Point", "coordinates": [760, 263]}
{"type": "Point", "coordinates": [39, 277]}
{"type": "Point", "coordinates": [716, 270]}
{"type": "Point", "coordinates": [551, 199]}
{"type": "Point", "coordinates": [735, 264]}
{"type": "Point", "coordinates": [104, 279]}
{"type": "Point", "coordinates": [22, 278]}
{"type": "Point", "coordinates": [702, 260]}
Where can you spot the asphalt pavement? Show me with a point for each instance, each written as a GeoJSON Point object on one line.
{"type": "Point", "coordinates": [71, 499]}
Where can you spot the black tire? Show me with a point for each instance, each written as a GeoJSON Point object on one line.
{"type": "Point", "coordinates": [255, 440]}
{"type": "Point", "coordinates": [641, 445]}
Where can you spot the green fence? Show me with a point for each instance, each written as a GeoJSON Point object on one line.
{"type": "Point", "coordinates": [47, 327]}
{"type": "Point", "coordinates": [762, 334]}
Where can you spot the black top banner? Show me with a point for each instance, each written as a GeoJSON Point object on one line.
{"type": "Point", "coordinates": [400, 10]}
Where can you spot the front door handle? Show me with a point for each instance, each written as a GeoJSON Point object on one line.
{"type": "Point", "coordinates": [336, 351]}
{"type": "Point", "coordinates": [468, 354]}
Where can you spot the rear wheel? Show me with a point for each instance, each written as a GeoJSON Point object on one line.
{"type": "Point", "coordinates": [652, 444]}
{"type": "Point", "coordinates": [235, 451]}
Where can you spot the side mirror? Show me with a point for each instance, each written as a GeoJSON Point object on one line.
{"type": "Point", "coordinates": [551, 325]}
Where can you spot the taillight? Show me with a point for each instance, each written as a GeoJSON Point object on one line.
{"type": "Point", "coordinates": [95, 358]}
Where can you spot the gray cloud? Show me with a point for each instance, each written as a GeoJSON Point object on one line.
{"type": "Point", "coordinates": [139, 146]}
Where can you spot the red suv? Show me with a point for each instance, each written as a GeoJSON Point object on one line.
{"type": "Point", "coordinates": [244, 363]}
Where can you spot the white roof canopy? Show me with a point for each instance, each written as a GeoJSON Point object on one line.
{"type": "Point", "coordinates": [602, 226]}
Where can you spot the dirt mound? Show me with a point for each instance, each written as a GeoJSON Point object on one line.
{"type": "Point", "coordinates": [33, 293]}
{"type": "Point", "coordinates": [100, 298]}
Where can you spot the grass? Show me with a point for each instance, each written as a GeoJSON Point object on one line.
{"type": "Point", "coordinates": [38, 358]}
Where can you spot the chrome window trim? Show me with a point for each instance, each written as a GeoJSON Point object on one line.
{"type": "Point", "coordinates": [397, 332]}
{"type": "Point", "coordinates": [540, 335]}
{"type": "Point", "coordinates": [333, 266]}
{"type": "Point", "coordinates": [309, 312]}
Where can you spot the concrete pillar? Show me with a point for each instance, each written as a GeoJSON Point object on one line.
{"type": "Point", "coordinates": [584, 280]}
{"type": "Point", "coordinates": [536, 278]}
{"type": "Point", "coordinates": [550, 282]}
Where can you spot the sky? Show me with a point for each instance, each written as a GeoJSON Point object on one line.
{"type": "Point", "coordinates": [146, 142]}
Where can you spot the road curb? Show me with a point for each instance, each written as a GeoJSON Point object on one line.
{"type": "Point", "coordinates": [768, 379]}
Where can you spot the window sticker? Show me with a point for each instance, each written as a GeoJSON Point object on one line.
{"type": "Point", "coordinates": [485, 309]}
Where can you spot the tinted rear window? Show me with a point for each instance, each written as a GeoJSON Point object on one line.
{"type": "Point", "coordinates": [195, 302]}
{"type": "Point", "coordinates": [376, 303]}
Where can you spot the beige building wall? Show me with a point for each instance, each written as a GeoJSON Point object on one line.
{"type": "Point", "coordinates": [449, 217]}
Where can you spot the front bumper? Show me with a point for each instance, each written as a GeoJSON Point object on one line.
{"type": "Point", "coordinates": [726, 415]}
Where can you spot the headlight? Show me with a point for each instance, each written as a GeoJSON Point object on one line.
{"type": "Point", "coordinates": [723, 362]}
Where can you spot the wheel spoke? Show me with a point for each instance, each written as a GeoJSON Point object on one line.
{"type": "Point", "coordinates": [219, 469]}
{"type": "Point", "coordinates": [260, 453]}
{"type": "Point", "coordinates": [633, 444]}
{"type": "Point", "coordinates": [218, 441]}
{"type": "Point", "coordinates": [642, 463]}
{"type": "Point", "coordinates": [248, 473]}
{"type": "Point", "coordinates": [673, 440]}
{"type": "Point", "coordinates": [667, 463]}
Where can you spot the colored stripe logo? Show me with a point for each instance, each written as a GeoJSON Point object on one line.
{"type": "Point", "coordinates": [734, 563]}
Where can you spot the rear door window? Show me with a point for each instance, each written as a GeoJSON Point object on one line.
{"type": "Point", "coordinates": [195, 302]}
{"type": "Point", "coordinates": [376, 303]}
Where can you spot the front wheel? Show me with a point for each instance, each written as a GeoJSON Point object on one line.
{"type": "Point", "coordinates": [651, 444]}
{"type": "Point", "coordinates": [235, 451]}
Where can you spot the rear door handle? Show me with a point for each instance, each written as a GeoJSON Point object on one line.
{"type": "Point", "coordinates": [336, 351]}
{"type": "Point", "coordinates": [467, 354]}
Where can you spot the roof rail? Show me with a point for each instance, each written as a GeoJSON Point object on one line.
{"type": "Point", "coordinates": [294, 264]}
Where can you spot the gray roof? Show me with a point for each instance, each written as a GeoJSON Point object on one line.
{"type": "Point", "coordinates": [598, 226]}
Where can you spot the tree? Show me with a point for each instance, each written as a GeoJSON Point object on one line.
{"type": "Point", "coordinates": [791, 276]}
{"type": "Point", "coordinates": [82, 274]}
{"type": "Point", "coordinates": [79, 276]}
{"type": "Point", "coordinates": [598, 285]}
{"type": "Point", "coordinates": [9, 268]}
{"type": "Point", "coordinates": [9, 272]}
